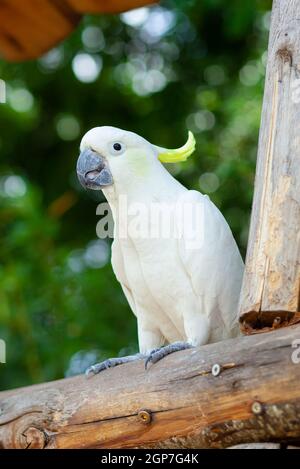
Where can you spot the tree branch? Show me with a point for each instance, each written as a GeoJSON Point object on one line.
{"type": "Point", "coordinates": [177, 403]}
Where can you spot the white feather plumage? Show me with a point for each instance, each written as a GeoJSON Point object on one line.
{"type": "Point", "coordinates": [177, 293]}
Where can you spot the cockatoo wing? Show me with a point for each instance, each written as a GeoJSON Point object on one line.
{"type": "Point", "coordinates": [211, 259]}
{"type": "Point", "coordinates": [149, 334]}
{"type": "Point", "coordinates": [117, 262]}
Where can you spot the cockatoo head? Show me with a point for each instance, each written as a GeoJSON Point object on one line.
{"type": "Point", "coordinates": [108, 155]}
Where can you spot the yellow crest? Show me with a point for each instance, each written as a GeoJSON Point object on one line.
{"type": "Point", "coordinates": [179, 154]}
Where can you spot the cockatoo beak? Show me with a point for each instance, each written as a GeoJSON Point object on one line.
{"type": "Point", "coordinates": [93, 171]}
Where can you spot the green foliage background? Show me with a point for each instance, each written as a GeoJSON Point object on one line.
{"type": "Point", "coordinates": [196, 64]}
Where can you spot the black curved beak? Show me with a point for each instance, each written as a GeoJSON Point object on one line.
{"type": "Point", "coordinates": [93, 171]}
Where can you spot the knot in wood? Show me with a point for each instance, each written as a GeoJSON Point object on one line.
{"type": "Point", "coordinates": [285, 55]}
{"type": "Point", "coordinates": [33, 438]}
{"type": "Point", "coordinates": [145, 416]}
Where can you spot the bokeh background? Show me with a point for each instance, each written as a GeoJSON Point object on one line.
{"type": "Point", "coordinates": [156, 71]}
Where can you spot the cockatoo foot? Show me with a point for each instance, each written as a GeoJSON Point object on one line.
{"type": "Point", "coordinates": [111, 363]}
{"type": "Point", "coordinates": [157, 354]}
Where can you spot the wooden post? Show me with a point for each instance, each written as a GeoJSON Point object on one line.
{"type": "Point", "coordinates": [180, 402]}
{"type": "Point", "coordinates": [271, 287]}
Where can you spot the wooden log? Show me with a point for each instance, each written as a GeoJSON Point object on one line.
{"type": "Point", "coordinates": [30, 28]}
{"type": "Point", "coordinates": [176, 403]}
{"type": "Point", "coordinates": [271, 288]}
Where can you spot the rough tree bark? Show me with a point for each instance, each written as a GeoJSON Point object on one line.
{"type": "Point", "coordinates": [271, 287]}
{"type": "Point", "coordinates": [177, 403]}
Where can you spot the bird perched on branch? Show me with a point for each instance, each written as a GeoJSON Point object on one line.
{"type": "Point", "coordinates": [173, 252]}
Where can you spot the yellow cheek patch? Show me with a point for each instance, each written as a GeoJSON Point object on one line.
{"type": "Point", "coordinates": [179, 154]}
{"type": "Point", "coordinates": [138, 162]}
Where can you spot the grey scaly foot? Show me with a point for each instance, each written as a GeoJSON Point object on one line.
{"type": "Point", "coordinates": [157, 354]}
{"type": "Point", "coordinates": [112, 362]}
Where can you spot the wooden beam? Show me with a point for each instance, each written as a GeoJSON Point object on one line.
{"type": "Point", "coordinates": [177, 403]}
{"type": "Point", "coordinates": [271, 288]}
{"type": "Point", "coordinates": [30, 28]}
{"type": "Point", "coordinates": [104, 6]}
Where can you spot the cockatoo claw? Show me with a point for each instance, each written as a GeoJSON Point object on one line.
{"type": "Point", "coordinates": [111, 363]}
{"type": "Point", "coordinates": [157, 354]}
{"type": "Point", "coordinates": [151, 354]}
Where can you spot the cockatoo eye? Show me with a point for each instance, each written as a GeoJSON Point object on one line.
{"type": "Point", "coordinates": [117, 148]}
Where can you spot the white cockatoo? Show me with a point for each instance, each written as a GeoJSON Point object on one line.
{"type": "Point", "coordinates": [182, 272]}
